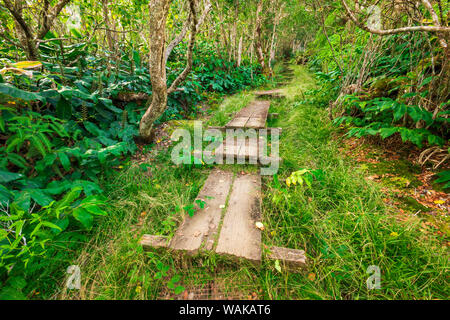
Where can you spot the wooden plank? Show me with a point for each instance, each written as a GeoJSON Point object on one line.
{"type": "Point", "coordinates": [271, 93]}
{"type": "Point", "coordinates": [269, 129]}
{"type": "Point", "coordinates": [245, 112]}
{"type": "Point", "coordinates": [247, 149]}
{"type": "Point", "coordinates": [256, 123]}
{"type": "Point", "coordinates": [260, 109]}
{"type": "Point", "coordinates": [237, 122]}
{"type": "Point", "coordinates": [292, 259]}
{"type": "Point", "coordinates": [256, 109]}
{"type": "Point", "coordinates": [239, 236]}
{"type": "Point", "coordinates": [199, 232]}
{"type": "Point", "coordinates": [150, 242]}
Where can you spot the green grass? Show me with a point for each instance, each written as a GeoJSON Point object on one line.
{"type": "Point", "coordinates": [340, 221]}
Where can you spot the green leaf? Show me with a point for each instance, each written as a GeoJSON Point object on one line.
{"type": "Point", "coordinates": [69, 198]}
{"type": "Point", "coordinates": [426, 81]}
{"type": "Point", "coordinates": [40, 197]}
{"type": "Point", "coordinates": [17, 282]}
{"type": "Point", "coordinates": [84, 217]}
{"type": "Point", "coordinates": [6, 176]}
{"type": "Point", "coordinates": [10, 293]}
{"type": "Point", "coordinates": [23, 200]}
{"type": "Point", "coordinates": [17, 160]}
{"type": "Point", "coordinates": [12, 91]}
{"type": "Point", "coordinates": [399, 111]}
{"type": "Point", "coordinates": [62, 224]}
{"type": "Point", "coordinates": [444, 176]}
{"type": "Point", "coordinates": [39, 145]}
{"type": "Point", "coordinates": [63, 109]}
{"type": "Point", "coordinates": [387, 132]}
{"type": "Point", "coordinates": [94, 209]}
{"type": "Point", "coordinates": [64, 160]}
{"type": "Point", "coordinates": [179, 289]}
{"type": "Point", "coordinates": [5, 195]}
{"type": "Point", "coordinates": [277, 265]}
{"type": "Point", "coordinates": [51, 225]}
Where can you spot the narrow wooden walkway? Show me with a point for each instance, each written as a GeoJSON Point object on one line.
{"type": "Point", "coordinates": [253, 116]}
{"type": "Point", "coordinates": [228, 222]}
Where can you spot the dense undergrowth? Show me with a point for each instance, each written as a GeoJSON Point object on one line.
{"type": "Point", "coordinates": [385, 86]}
{"type": "Point", "coordinates": [338, 217]}
{"type": "Point", "coordinates": [63, 126]}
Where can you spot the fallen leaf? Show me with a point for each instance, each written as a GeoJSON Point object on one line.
{"type": "Point", "coordinates": [312, 276]}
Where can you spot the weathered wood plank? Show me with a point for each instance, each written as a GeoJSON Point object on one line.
{"type": "Point", "coordinates": [270, 93]}
{"type": "Point", "coordinates": [199, 232]}
{"type": "Point", "coordinates": [239, 235]}
{"type": "Point", "coordinates": [269, 129]}
{"type": "Point", "coordinates": [245, 118]}
{"type": "Point", "coordinates": [237, 122]}
{"type": "Point", "coordinates": [292, 259]}
{"type": "Point", "coordinates": [150, 242]}
{"type": "Point", "coordinates": [260, 109]}
{"type": "Point", "coordinates": [256, 123]}
{"type": "Point", "coordinates": [247, 149]}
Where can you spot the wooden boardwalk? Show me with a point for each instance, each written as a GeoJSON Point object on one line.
{"type": "Point", "coordinates": [276, 93]}
{"type": "Point", "coordinates": [253, 116]}
{"type": "Point", "coordinates": [227, 223]}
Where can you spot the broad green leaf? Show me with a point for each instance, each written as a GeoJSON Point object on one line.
{"type": "Point", "coordinates": [84, 217]}
{"type": "Point", "coordinates": [40, 197]}
{"type": "Point", "coordinates": [12, 91]}
{"type": "Point", "coordinates": [6, 176]}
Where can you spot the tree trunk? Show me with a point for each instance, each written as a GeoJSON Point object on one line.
{"type": "Point", "coordinates": [159, 10]}
{"type": "Point", "coordinates": [258, 36]}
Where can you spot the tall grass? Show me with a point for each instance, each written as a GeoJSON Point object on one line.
{"type": "Point", "coordinates": [340, 221]}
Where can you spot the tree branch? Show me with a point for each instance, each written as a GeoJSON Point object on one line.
{"type": "Point", "coordinates": [50, 18]}
{"type": "Point", "coordinates": [188, 67]}
{"type": "Point", "coordinates": [183, 32]}
{"type": "Point", "coordinates": [392, 31]}
{"type": "Point", "coordinates": [26, 29]}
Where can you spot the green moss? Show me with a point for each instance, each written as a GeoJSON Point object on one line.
{"type": "Point", "coordinates": [403, 171]}
{"type": "Point", "coordinates": [412, 205]}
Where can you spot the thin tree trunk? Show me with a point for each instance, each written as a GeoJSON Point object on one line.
{"type": "Point", "coordinates": [159, 10]}
{"type": "Point", "coordinates": [258, 36]}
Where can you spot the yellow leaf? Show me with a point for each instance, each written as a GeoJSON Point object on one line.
{"type": "Point", "coordinates": [17, 71]}
{"type": "Point", "coordinates": [439, 201]}
{"type": "Point", "coordinates": [394, 234]}
{"type": "Point", "coordinates": [27, 64]}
